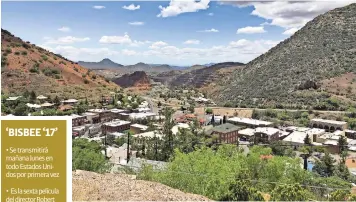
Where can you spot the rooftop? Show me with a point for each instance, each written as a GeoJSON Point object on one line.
{"type": "Point", "coordinates": [296, 137]}
{"type": "Point", "coordinates": [70, 101]}
{"type": "Point", "coordinates": [116, 122]}
{"type": "Point", "coordinates": [74, 116]}
{"type": "Point", "coordinates": [141, 115]}
{"type": "Point", "coordinates": [142, 127]}
{"type": "Point", "coordinates": [13, 98]}
{"type": "Point", "coordinates": [117, 134]}
{"type": "Point", "coordinates": [96, 110]}
{"type": "Point", "coordinates": [329, 121]}
{"type": "Point", "coordinates": [249, 121]}
{"type": "Point", "coordinates": [117, 110]}
{"type": "Point", "coordinates": [33, 105]}
{"type": "Point", "coordinates": [41, 97]}
{"type": "Point", "coordinates": [247, 132]}
{"type": "Point", "coordinates": [225, 128]}
{"type": "Point", "coordinates": [267, 130]}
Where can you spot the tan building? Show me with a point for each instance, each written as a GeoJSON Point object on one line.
{"type": "Point", "coordinates": [115, 126]}
{"type": "Point", "coordinates": [328, 125]}
{"type": "Point", "coordinates": [138, 128]}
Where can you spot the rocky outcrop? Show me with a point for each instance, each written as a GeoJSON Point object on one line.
{"type": "Point", "coordinates": [136, 79]}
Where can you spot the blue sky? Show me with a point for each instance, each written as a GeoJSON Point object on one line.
{"type": "Point", "coordinates": [163, 32]}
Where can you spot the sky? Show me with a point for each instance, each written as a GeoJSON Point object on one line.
{"type": "Point", "coordinates": [172, 32]}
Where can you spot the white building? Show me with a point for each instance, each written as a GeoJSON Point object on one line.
{"type": "Point", "coordinates": [248, 122]}
{"type": "Point", "coordinates": [175, 128]}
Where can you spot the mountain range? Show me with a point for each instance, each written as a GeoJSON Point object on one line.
{"type": "Point", "coordinates": [315, 67]}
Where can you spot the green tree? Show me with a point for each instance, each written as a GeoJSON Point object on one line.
{"type": "Point", "coordinates": [87, 156]}
{"type": "Point", "coordinates": [307, 140]}
{"type": "Point", "coordinates": [33, 96]}
{"type": "Point", "coordinates": [342, 144]}
{"type": "Point", "coordinates": [134, 105]}
{"type": "Point", "coordinates": [168, 137]}
{"type": "Point", "coordinates": [291, 192]}
{"type": "Point", "coordinates": [339, 195]}
{"type": "Point", "coordinates": [21, 110]}
{"type": "Point", "coordinates": [209, 110]}
{"type": "Point", "coordinates": [56, 101]}
{"type": "Point", "coordinates": [242, 190]}
{"type": "Point", "coordinates": [325, 166]}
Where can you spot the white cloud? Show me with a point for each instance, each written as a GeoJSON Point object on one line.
{"type": "Point", "coordinates": [124, 40]}
{"type": "Point", "coordinates": [136, 23]}
{"type": "Point", "coordinates": [192, 41]}
{"type": "Point", "coordinates": [290, 14]}
{"type": "Point", "coordinates": [98, 7]}
{"type": "Point", "coordinates": [116, 39]}
{"type": "Point", "coordinates": [158, 44]}
{"type": "Point", "coordinates": [209, 30]}
{"type": "Point", "coordinates": [210, 14]}
{"type": "Point", "coordinates": [128, 52]}
{"type": "Point", "coordinates": [65, 40]}
{"type": "Point", "coordinates": [177, 7]}
{"type": "Point", "coordinates": [251, 30]}
{"type": "Point", "coordinates": [290, 31]}
{"type": "Point", "coordinates": [131, 7]}
{"type": "Point", "coordinates": [242, 50]}
{"type": "Point", "coordinates": [64, 29]}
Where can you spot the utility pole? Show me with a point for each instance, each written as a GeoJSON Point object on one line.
{"type": "Point", "coordinates": [106, 156]}
{"type": "Point", "coordinates": [128, 147]}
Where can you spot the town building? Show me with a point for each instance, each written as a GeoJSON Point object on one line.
{"type": "Point", "coordinates": [80, 130]}
{"type": "Point", "coordinates": [104, 115]}
{"type": "Point", "coordinates": [115, 113]}
{"type": "Point", "coordinates": [246, 134]}
{"type": "Point", "coordinates": [328, 125]}
{"type": "Point", "coordinates": [227, 133]}
{"type": "Point", "coordinates": [266, 134]}
{"type": "Point", "coordinates": [140, 116]}
{"type": "Point", "coordinates": [350, 134]}
{"type": "Point", "coordinates": [78, 120]}
{"type": "Point", "coordinates": [92, 118]}
{"type": "Point", "coordinates": [251, 123]}
{"type": "Point", "coordinates": [70, 102]}
{"type": "Point", "coordinates": [115, 126]}
{"type": "Point", "coordinates": [138, 128]}
{"type": "Point", "coordinates": [94, 129]}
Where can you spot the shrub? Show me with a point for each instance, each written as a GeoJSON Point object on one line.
{"type": "Point", "coordinates": [86, 81]}
{"type": "Point", "coordinates": [17, 53]}
{"type": "Point", "coordinates": [84, 75]}
{"type": "Point", "coordinates": [44, 57]}
{"type": "Point", "coordinates": [76, 69]}
{"type": "Point", "coordinates": [55, 58]}
{"type": "Point", "coordinates": [8, 50]}
{"type": "Point", "coordinates": [93, 77]}
{"type": "Point", "coordinates": [24, 52]}
{"type": "Point", "coordinates": [61, 62]}
{"type": "Point", "coordinates": [50, 72]}
{"type": "Point", "coordinates": [35, 69]}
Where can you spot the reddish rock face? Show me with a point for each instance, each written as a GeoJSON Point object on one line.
{"type": "Point", "coordinates": [136, 79]}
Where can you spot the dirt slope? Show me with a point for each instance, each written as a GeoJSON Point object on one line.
{"type": "Point", "coordinates": [89, 186]}
{"type": "Point", "coordinates": [27, 66]}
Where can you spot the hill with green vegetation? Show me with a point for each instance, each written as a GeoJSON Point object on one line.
{"type": "Point", "coordinates": [314, 68]}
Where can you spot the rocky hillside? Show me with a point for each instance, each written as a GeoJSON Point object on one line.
{"type": "Point", "coordinates": [138, 79]}
{"type": "Point", "coordinates": [303, 70]}
{"type": "Point", "coordinates": [197, 76]}
{"type": "Point", "coordinates": [25, 66]}
{"type": "Point", "coordinates": [88, 186]}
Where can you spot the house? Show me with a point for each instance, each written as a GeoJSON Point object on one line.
{"type": "Point", "coordinates": [47, 105]}
{"type": "Point", "coordinates": [246, 134]}
{"type": "Point", "coordinates": [252, 123]}
{"type": "Point", "coordinates": [266, 134]}
{"type": "Point", "coordinates": [92, 118]}
{"type": "Point", "coordinates": [13, 98]}
{"type": "Point", "coordinates": [94, 129]}
{"type": "Point", "coordinates": [70, 101]}
{"type": "Point", "coordinates": [227, 133]}
{"type": "Point", "coordinates": [41, 97]}
{"type": "Point", "coordinates": [80, 130]}
{"type": "Point", "coordinates": [138, 128]}
{"type": "Point", "coordinates": [175, 129]}
{"type": "Point", "coordinates": [328, 125]}
{"type": "Point", "coordinates": [33, 106]}
{"type": "Point", "coordinates": [143, 115]}
{"type": "Point", "coordinates": [104, 115]}
{"type": "Point", "coordinates": [350, 134]}
{"type": "Point", "coordinates": [115, 126]}
{"type": "Point", "coordinates": [296, 138]}
{"type": "Point", "coordinates": [115, 113]}
{"type": "Point", "coordinates": [78, 120]}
